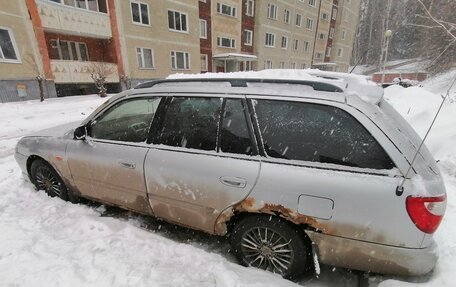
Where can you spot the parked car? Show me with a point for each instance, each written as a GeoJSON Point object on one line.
{"type": "Point", "coordinates": [291, 170]}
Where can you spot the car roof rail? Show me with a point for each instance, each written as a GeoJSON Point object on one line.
{"type": "Point", "coordinates": [238, 82]}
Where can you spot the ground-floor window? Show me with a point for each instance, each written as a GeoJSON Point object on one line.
{"type": "Point", "coordinates": [180, 60]}
{"type": "Point", "coordinates": [145, 58]}
{"type": "Point", "coordinates": [8, 50]}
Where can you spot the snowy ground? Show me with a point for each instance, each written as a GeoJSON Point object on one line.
{"type": "Point", "coordinates": [47, 242]}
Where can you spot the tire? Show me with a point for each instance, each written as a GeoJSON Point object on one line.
{"type": "Point", "coordinates": [44, 177]}
{"type": "Point", "coordinates": [270, 243]}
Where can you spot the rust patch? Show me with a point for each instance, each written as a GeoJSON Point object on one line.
{"type": "Point", "coordinates": [249, 205]}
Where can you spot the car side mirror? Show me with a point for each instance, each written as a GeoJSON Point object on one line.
{"type": "Point", "coordinates": [80, 133]}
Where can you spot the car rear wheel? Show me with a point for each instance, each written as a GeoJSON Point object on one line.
{"type": "Point", "coordinates": [44, 177]}
{"type": "Point", "coordinates": [270, 243]}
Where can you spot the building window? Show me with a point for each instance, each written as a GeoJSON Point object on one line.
{"type": "Point", "coordinates": [177, 21]}
{"type": "Point", "coordinates": [284, 44]}
{"type": "Point", "coordinates": [346, 15]}
{"type": "Point", "coordinates": [68, 50]}
{"type": "Point", "coordinates": [203, 29]}
{"type": "Point", "coordinates": [313, 3]}
{"type": "Point", "coordinates": [309, 23]}
{"type": "Point", "coordinates": [282, 65]}
{"type": "Point", "coordinates": [272, 11]}
{"type": "Point", "coordinates": [180, 60]}
{"type": "Point", "coordinates": [334, 14]}
{"type": "Point", "coordinates": [250, 7]}
{"type": "Point", "coordinates": [306, 46]}
{"type": "Point", "coordinates": [8, 50]}
{"type": "Point", "coordinates": [317, 55]}
{"type": "Point", "coordinates": [298, 20]}
{"type": "Point", "coordinates": [226, 42]}
{"type": "Point", "coordinates": [92, 5]}
{"type": "Point", "coordinates": [204, 65]}
{"type": "Point", "coordinates": [331, 33]}
{"type": "Point", "coordinates": [328, 52]}
{"type": "Point", "coordinates": [295, 44]}
{"type": "Point", "coordinates": [303, 66]}
{"type": "Point", "coordinates": [268, 64]}
{"type": "Point", "coordinates": [248, 37]}
{"type": "Point", "coordinates": [140, 13]}
{"type": "Point", "coordinates": [270, 40]}
{"type": "Point", "coordinates": [293, 65]}
{"type": "Point", "coordinates": [226, 9]}
{"type": "Point", "coordinates": [324, 16]}
{"type": "Point", "coordinates": [287, 16]}
{"type": "Point", "coordinates": [145, 58]}
{"type": "Point", "coordinates": [248, 66]}
{"type": "Point", "coordinates": [339, 52]}
{"type": "Point", "coordinates": [343, 34]}
{"type": "Point", "coordinates": [321, 36]}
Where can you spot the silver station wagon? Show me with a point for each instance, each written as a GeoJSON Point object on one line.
{"type": "Point", "coordinates": [295, 172]}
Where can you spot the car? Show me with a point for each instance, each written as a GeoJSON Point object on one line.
{"type": "Point", "coordinates": [296, 172]}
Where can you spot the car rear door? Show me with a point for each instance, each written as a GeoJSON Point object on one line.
{"type": "Point", "coordinates": [108, 166]}
{"type": "Point", "coordinates": [200, 162]}
{"type": "Point", "coordinates": [324, 167]}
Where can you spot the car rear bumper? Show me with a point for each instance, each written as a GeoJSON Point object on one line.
{"type": "Point", "coordinates": [375, 258]}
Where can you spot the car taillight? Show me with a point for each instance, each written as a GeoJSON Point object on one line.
{"type": "Point", "coordinates": [426, 212]}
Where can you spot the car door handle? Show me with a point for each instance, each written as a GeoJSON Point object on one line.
{"type": "Point", "coordinates": [233, 181]}
{"type": "Point", "coordinates": [126, 164]}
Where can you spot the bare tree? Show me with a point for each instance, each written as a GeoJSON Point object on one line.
{"type": "Point", "coordinates": [100, 72]}
{"type": "Point", "coordinates": [40, 77]}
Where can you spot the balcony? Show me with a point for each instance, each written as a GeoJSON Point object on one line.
{"type": "Point", "coordinates": [67, 72]}
{"type": "Point", "coordinates": [58, 18]}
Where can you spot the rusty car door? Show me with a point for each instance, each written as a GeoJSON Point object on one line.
{"type": "Point", "coordinates": [199, 164]}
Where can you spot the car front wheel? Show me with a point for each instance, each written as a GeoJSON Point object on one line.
{"type": "Point", "coordinates": [44, 177]}
{"type": "Point", "coordinates": [270, 243]}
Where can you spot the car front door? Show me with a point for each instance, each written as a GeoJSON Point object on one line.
{"type": "Point", "coordinates": [201, 162]}
{"type": "Point", "coordinates": [108, 165]}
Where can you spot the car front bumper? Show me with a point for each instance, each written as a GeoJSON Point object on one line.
{"type": "Point", "coordinates": [22, 162]}
{"type": "Point", "coordinates": [375, 258]}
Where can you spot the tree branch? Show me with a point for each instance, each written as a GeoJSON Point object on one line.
{"type": "Point", "coordinates": [436, 21]}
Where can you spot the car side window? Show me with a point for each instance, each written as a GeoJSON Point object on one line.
{"type": "Point", "coordinates": [127, 121]}
{"type": "Point", "coordinates": [317, 133]}
{"type": "Point", "coordinates": [235, 136]}
{"type": "Point", "coordinates": [191, 122]}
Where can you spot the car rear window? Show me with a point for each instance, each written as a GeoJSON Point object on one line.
{"type": "Point", "coordinates": [317, 133]}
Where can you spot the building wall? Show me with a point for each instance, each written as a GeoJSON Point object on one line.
{"type": "Point", "coordinates": [22, 72]}
{"type": "Point", "coordinates": [248, 23]}
{"type": "Point", "coordinates": [158, 37]}
{"type": "Point", "coordinates": [280, 28]}
{"type": "Point", "coordinates": [206, 43]}
{"type": "Point", "coordinates": [225, 26]}
{"type": "Point", "coordinates": [323, 29]}
{"type": "Point", "coordinates": [347, 20]}
{"type": "Point", "coordinates": [13, 16]}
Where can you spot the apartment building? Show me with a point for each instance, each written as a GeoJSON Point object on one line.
{"type": "Point", "coordinates": [132, 41]}
{"type": "Point", "coordinates": [345, 31]}
{"type": "Point", "coordinates": [297, 34]}
{"type": "Point", "coordinates": [20, 60]}
{"type": "Point", "coordinates": [159, 37]}
{"type": "Point", "coordinates": [285, 33]}
{"type": "Point", "coordinates": [76, 38]}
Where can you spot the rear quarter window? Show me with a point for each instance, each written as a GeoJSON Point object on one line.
{"type": "Point", "coordinates": [317, 133]}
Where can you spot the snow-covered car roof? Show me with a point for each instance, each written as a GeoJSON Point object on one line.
{"type": "Point", "coordinates": [324, 81]}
